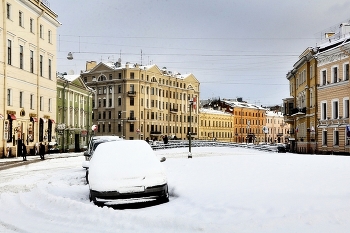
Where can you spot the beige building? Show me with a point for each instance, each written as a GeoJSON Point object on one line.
{"type": "Point", "coordinates": [277, 129]}
{"type": "Point", "coordinates": [333, 92]}
{"type": "Point", "coordinates": [28, 71]}
{"type": "Point", "coordinates": [138, 102]}
{"type": "Point", "coordinates": [216, 125]}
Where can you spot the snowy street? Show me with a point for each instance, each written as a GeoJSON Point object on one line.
{"type": "Point", "coordinates": [218, 190]}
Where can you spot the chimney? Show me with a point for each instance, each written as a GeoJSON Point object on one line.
{"type": "Point", "coordinates": [90, 65]}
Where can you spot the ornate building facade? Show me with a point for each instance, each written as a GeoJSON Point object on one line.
{"type": "Point", "coordinates": [138, 102]}
{"type": "Point", "coordinates": [28, 75]}
{"type": "Point", "coordinates": [74, 111]}
{"type": "Point", "coordinates": [300, 110]}
{"type": "Point", "coordinates": [333, 60]}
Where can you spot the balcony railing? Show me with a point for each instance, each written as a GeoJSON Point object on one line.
{"type": "Point", "coordinates": [131, 93]}
{"type": "Point", "coordinates": [156, 132]}
{"type": "Point", "coordinates": [131, 119]}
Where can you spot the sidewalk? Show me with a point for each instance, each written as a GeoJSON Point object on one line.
{"type": "Point", "coordinates": [37, 157]}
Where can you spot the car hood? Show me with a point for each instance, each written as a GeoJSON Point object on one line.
{"type": "Point", "coordinates": [117, 166]}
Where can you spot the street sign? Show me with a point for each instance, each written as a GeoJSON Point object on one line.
{"type": "Point", "coordinates": [61, 126]}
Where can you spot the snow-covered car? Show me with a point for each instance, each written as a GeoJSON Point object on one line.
{"type": "Point", "coordinates": [126, 171]}
{"type": "Point", "coordinates": [94, 142]}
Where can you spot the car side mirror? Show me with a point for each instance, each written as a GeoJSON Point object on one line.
{"type": "Point", "coordinates": [162, 159]}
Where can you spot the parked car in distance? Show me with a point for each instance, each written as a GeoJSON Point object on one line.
{"type": "Point", "coordinates": [281, 149]}
{"type": "Point", "coordinates": [126, 171]}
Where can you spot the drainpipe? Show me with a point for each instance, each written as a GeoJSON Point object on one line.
{"type": "Point", "coordinates": [5, 65]}
{"type": "Point", "coordinates": [38, 68]}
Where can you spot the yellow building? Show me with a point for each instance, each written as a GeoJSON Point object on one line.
{"type": "Point", "coordinates": [28, 71]}
{"type": "Point", "coordinates": [138, 102]}
{"type": "Point", "coordinates": [215, 125]}
{"type": "Point", "coordinates": [301, 107]}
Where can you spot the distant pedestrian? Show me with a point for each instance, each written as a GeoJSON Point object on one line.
{"type": "Point", "coordinates": [42, 151]}
{"type": "Point", "coordinates": [147, 140]}
{"type": "Point", "coordinates": [36, 148]}
{"type": "Point", "coordinates": [24, 152]}
{"type": "Point", "coordinates": [165, 139]}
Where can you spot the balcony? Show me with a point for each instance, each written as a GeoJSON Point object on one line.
{"type": "Point", "coordinates": [156, 132]}
{"type": "Point", "coordinates": [174, 110]}
{"type": "Point", "coordinates": [131, 93]}
{"type": "Point", "coordinates": [130, 119]}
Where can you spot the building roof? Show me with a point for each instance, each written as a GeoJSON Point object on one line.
{"type": "Point", "coordinates": [242, 105]}
{"type": "Point", "coordinates": [212, 111]}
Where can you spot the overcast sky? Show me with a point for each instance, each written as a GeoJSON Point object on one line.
{"type": "Point", "coordinates": [235, 48]}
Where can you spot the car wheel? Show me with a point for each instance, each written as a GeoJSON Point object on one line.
{"type": "Point", "coordinates": [165, 197]}
{"type": "Point", "coordinates": [87, 176]}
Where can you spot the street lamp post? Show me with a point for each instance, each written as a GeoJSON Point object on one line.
{"type": "Point", "coordinates": [189, 131]}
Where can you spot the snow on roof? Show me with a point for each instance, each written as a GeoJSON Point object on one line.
{"type": "Point", "coordinates": [243, 104]}
{"type": "Point", "coordinates": [71, 77]}
{"type": "Point", "coordinates": [274, 114]}
{"type": "Point", "coordinates": [115, 65]}
{"type": "Point", "coordinates": [212, 111]}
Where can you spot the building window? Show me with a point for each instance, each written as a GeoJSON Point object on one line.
{"type": "Point", "coordinates": [119, 101]}
{"type": "Point", "coordinates": [324, 138]}
{"type": "Point", "coordinates": [324, 77]}
{"type": "Point", "coordinates": [119, 89]}
{"type": "Point", "coordinates": [41, 31]}
{"type": "Point", "coordinates": [9, 52]}
{"type": "Point", "coordinates": [31, 24]}
{"type": "Point", "coordinates": [9, 97]}
{"type": "Point", "coordinates": [20, 18]}
{"type": "Point", "coordinates": [110, 89]}
{"type": "Point", "coordinates": [346, 108]}
{"type": "Point", "coordinates": [31, 101]}
{"type": "Point", "coordinates": [21, 57]}
{"type": "Point", "coordinates": [346, 71]}
{"type": "Point", "coordinates": [119, 75]}
{"type": "Point", "coordinates": [335, 74]}
{"type": "Point", "coordinates": [336, 137]}
{"type": "Point", "coordinates": [8, 10]}
{"type": "Point", "coordinates": [31, 61]}
{"type": "Point", "coordinates": [110, 102]}
{"type": "Point", "coordinates": [21, 99]}
{"type": "Point", "coordinates": [110, 76]}
{"type": "Point", "coordinates": [323, 110]}
{"type": "Point", "coordinates": [50, 105]}
{"type": "Point", "coordinates": [132, 101]}
{"type": "Point", "coordinates": [50, 65]}
{"type": "Point", "coordinates": [49, 36]}
{"type": "Point", "coordinates": [41, 104]}
{"type": "Point", "coordinates": [132, 128]}
{"type": "Point", "coordinates": [132, 76]}
{"type": "Point", "coordinates": [41, 65]}
{"type": "Point", "coordinates": [335, 109]}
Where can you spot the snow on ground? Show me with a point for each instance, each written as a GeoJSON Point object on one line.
{"type": "Point", "coordinates": [218, 190]}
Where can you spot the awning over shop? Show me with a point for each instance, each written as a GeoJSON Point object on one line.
{"type": "Point", "coordinates": [12, 116]}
